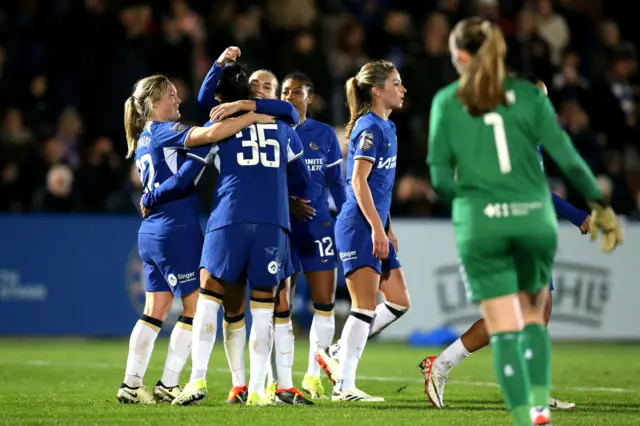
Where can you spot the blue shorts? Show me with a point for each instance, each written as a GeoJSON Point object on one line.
{"type": "Point", "coordinates": [551, 288]}
{"type": "Point", "coordinates": [171, 262]}
{"type": "Point", "coordinates": [356, 250]}
{"type": "Point", "coordinates": [255, 252]}
{"type": "Point", "coordinates": [313, 248]}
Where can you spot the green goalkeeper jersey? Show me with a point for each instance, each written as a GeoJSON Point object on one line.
{"type": "Point", "coordinates": [493, 158]}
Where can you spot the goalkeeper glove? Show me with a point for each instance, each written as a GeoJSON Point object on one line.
{"type": "Point", "coordinates": [603, 219]}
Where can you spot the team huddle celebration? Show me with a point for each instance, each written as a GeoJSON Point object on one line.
{"type": "Point", "coordinates": [277, 170]}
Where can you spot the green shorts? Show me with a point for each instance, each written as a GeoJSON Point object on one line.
{"type": "Point", "coordinates": [507, 255]}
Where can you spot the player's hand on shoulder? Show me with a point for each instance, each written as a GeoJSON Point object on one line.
{"type": "Point", "coordinates": [262, 118]}
{"type": "Point", "coordinates": [585, 228]}
{"type": "Point", "coordinates": [604, 220]}
{"type": "Point", "coordinates": [301, 208]}
{"type": "Point", "coordinates": [230, 54]}
{"type": "Point", "coordinates": [380, 242]}
{"type": "Point", "coordinates": [222, 111]}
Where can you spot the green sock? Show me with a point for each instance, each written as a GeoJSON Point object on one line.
{"type": "Point", "coordinates": [512, 375]}
{"type": "Point", "coordinates": [537, 355]}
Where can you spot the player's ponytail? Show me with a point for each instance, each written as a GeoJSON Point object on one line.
{"type": "Point", "coordinates": [139, 105]}
{"type": "Point", "coordinates": [131, 125]}
{"type": "Point", "coordinates": [358, 89]}
{"type": "Point", "coordinates": [233, 84]}
{"type": "Point", "coordinates": [481, 82]}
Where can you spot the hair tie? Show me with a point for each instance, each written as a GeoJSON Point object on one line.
{"type": "Point", "coordinates": [485, 27]}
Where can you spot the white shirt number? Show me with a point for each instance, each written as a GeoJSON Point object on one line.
{"type": "Point", "coordinates": [257, 140]}
{"type": "Point", "coordinates": [494, 120]}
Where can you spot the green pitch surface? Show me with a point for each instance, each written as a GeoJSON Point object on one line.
{"type": "Point", "coordinates": [75, 382]}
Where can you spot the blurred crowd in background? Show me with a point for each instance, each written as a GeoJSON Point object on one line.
{"type": "Point", "coordinates": [66, 67]}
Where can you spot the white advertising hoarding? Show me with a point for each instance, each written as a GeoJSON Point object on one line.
{"type": "Point", "coordinates": [597, 295]}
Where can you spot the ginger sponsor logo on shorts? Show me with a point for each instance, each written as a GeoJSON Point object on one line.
{"type": "Point", "coordinates": [185, 278]}
{"type": "Point", "coordinates": [348, 255]}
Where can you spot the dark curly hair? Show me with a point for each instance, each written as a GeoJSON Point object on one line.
{"type": "Point", "coordinates": [233, 84]}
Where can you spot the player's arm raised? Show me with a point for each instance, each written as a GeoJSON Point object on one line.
{"type": "Point", "coordinates": [439, 157]}
{"type": "Point", "coordinates": [557, 143]}
{"type": "Point", "coordinates": [207, 91]}
{"type": "Point", "coordinates": [224, 129]}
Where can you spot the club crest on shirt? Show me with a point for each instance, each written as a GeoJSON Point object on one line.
{"type": "Point", "coordinates": [314, 146]}
{"type": "Point", "coordinates": [366, 140]}
{"type": "Point", "coordinates": [179, 127]}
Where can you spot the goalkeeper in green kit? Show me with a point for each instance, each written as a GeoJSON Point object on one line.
{"type": "Point", "coordinates": [483, 135]}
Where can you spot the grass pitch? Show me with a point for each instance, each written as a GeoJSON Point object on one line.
{"type": "Point", "coordinates": [74, 382]}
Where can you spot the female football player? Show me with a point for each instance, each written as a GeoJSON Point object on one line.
{"type": "Point", "coordinates": [312, 236]}
{"type": "Point", "coordinates": [244, 244]}
{"type": "Point", "coordinates": [169, 239]}
{"type": "Point", "coordinates": [436, 369]}
{"type": "Point", "coordinates": [484, 130]}
{"type": "Point", "coordinates": [363, 244]}
{"type": "Point", "coordinates": [263, 87]}
{"type": "Point", "coordinates": [280, 388]}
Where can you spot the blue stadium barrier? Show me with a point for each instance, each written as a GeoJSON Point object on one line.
{"type": "Point", "coordinates": [71, 275]}
{"type": "Point", "coordinates": [79, 275]}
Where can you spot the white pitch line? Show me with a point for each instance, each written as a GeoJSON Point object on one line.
{"type": "Point", "coordinates": [88, 364]}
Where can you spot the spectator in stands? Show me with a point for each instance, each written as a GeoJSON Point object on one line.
{"type": "Point", "coordinates": [57, 195]}
{"type": "Point", "coordinates": [553, 29]}
{"type": "Point", "coordinates": [40, 110]}
{"type": "Point", "coordinates": [568, 83]}
{"type": "Point", "coordinates": [69, 128]}
{"type": "Point", "coordinates": [126, 200]}
{"type": "Point", "coordinates": [613, 105]}
{"type": "Point", "coordinates": [346, 61]}
{"type": "Point", "coordinates": [96, 49]}
{"type": "Point", "coordinates": [608, 42]}
{"type": "Point", "coordinates": [99, 175]}
{"type": "Point", "coordinates": [575, 122]}
{"type": "Point", "coordinates": [526, 50]}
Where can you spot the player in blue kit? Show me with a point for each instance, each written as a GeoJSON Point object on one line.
{"type": "Point", "coordinates": [246, 237]}
{"type": "Point", "coordinates": [312, 237]}
{"type": "Point", "coordinates": [169, 239]}
{"type": "Point", "coordinates": [264, 85]}
{"type": "Point", "coordinates": [436, 369]}
{"type": "Point", "coordinates": [234, 330]}
{"type": "Point", "coordinates": [363, 245]}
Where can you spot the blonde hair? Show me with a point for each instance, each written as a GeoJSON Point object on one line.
{"type": "Point", "coordinates": [358, 89]}
{"type": "Point", "coordinates": [138, 106]}
{"type": "Point", "coordinates": [270, 74]}
{"type": "Point", "coordinates": [481, 83]}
